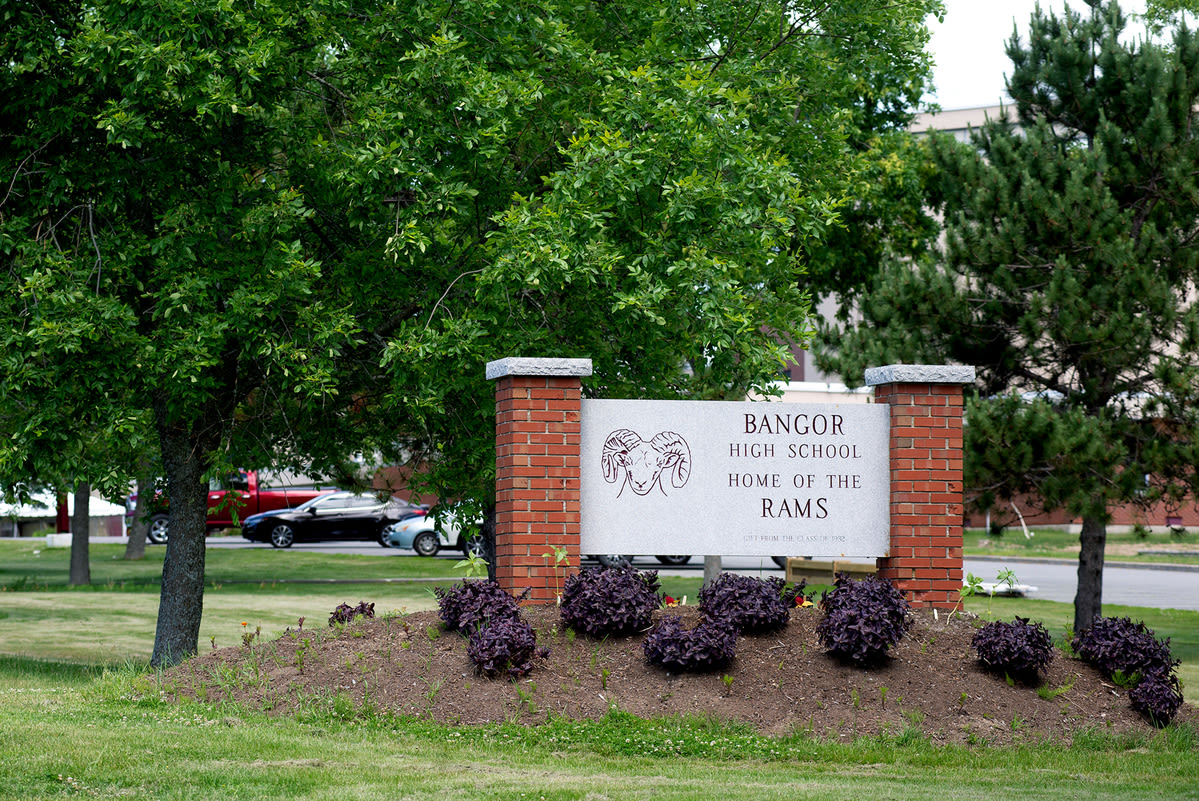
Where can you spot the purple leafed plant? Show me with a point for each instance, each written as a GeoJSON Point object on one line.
{"type": "Point", "coordinates": [862, 619]}
{"type": "Point", "coordinates": [346, 613]}
{"type": "Point", "coordinates": [1158, 696]}
{"type": "Point", "coordinates": [1116, 644]}
{"type": "Point", "coordinates": [468, 605]}
{"type": "Point", "coordinates": [750, 604]}
{"type": "Point", "coordinates": [504, 647]}
{"type": "Point", "coordinates": [710, 645]}
{"type": "Point", "coordinates": [611, 600]}
{"type": "Point", "coordinates": [1131, 652]}
{"type": "Point", "coordinates": [1018, 649]}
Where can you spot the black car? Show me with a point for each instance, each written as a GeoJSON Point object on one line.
{"type": "Point", "coordinates": [335, 516]}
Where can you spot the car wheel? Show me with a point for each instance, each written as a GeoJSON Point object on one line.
{"type": "Point", "coordinates": [282, 535]}
{"type": "Point", "coordinates": [475, 546]}
{"type": "Point", "coordinates": [384, 537]}
{"type": "Point", "coordinates": [674, 560]}
{"type": "Point", "coordinates": [781, 561]}
{"type": "Point", "coordinates": [613, 559]}
{"type": "Point", "coordinates": [157, 532]}
{"type": "Point", "coordinates": [425, 544]}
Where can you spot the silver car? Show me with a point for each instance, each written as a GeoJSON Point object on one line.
{"type": "Point", "coordinates": [426, 535]}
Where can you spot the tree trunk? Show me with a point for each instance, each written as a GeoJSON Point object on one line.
{"type": "Point", "coordinates": [136, 547]}
{"type": "Point", "coordinates": [81, 571]}
{"type": "Point", "coordinates": [1088, 600]}
{"type": "Point", "coordinates": [182, 601]}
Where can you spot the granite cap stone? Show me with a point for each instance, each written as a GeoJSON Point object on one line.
{"type": "Point", "coordinates": [920, 374]}
{"type": "Point", "coordinates": [515, 365]}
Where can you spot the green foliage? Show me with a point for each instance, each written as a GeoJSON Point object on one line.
{"type": "Point", "coordinates": [972, 587]}
{"type": "Point", "coordinates": [1049, 693]}
{"type": "Point", "coordinates": [609, 755]}
{"type": "Point", "coordinates": [1160, 14]}
{"type": "Point", "coordinates": [473, 566]}
{"type": "Point", "coordinates": [1063, 544]}
{"type": "Point", "coordinates": [288, 232]}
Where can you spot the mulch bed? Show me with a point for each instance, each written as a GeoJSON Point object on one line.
{"type": "Point", "coordinates": [779, 683]}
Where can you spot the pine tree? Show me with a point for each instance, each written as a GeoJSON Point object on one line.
{"type": "Point", "coordinates": [1067, 276]}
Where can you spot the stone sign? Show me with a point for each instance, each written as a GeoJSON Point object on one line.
{"type": "Point", "coordinates": [726, 478]}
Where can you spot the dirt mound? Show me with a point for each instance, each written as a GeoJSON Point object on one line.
{"type": "Point", "coordinates": [780, 682]}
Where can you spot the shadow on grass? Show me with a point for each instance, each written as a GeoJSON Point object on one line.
{"type": "Point", "coordinates": [17, 670]}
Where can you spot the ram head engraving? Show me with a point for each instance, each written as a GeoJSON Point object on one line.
{"type": "Point", "coordinates": [640, 465]}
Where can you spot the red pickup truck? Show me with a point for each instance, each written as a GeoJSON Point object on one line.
{"type": "Point", "coordinates": [249, 497]}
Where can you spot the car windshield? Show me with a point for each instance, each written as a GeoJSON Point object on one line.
{"type": "Point", "coordinates": [311, 501]}
{"type": "Point", "coordinates": [233, 481]}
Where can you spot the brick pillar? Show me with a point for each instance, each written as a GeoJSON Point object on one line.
{"type": "Point", "coordinates": [926, 479]}
{"type": "Point", "coordinates": [537, 486]}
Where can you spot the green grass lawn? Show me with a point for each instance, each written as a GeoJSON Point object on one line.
{"type": "Point", "coordinates": [76, 719]}
{"type": "Point", "coordinates": [100, 741]}
{"type": "Point", "coordinates": [28, 563]}
{"type": "Point", "coordinates": [266, 589]}
{"type": "Point", "coordinates": [1059, 544]}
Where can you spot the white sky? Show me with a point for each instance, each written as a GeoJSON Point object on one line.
{"type": "Point", "coordinates": [968, 46]}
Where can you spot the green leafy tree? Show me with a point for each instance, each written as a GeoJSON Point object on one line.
{"type": "Point", "coordinates": [291, 232]}
{"type": "Point", "coordinates": [153, 264]}
{"type": "Point", "coordinates": [1161, 14]}
{"type": "Point", "coordinates": [888, 172]}
{"type": "Point", "coordinates": [1067, 277]}
{"type": "Point", "coordinates": [638, 184]}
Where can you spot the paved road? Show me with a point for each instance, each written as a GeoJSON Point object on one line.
{"type": "Point", "coordinates": [1159, 587]}
{"type": "Point", "coordinates": [1163, 587]}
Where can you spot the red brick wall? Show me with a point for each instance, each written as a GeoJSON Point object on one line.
{"type": "Point", "coordinates": [1158, 516]}
{"type": "Point", "coordinates": [537, 483]}
{"type": "Point", "coordinates": [926, 492]}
